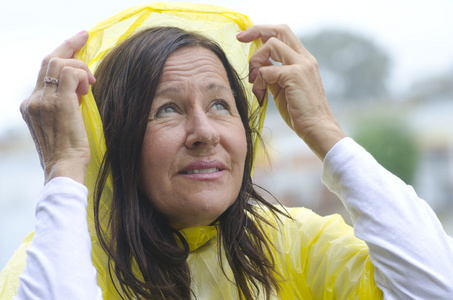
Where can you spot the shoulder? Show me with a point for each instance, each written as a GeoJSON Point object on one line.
{"type": "Point", "coordinates": [297, 217]}
{"type": "Point", "coordinates": [306, 228]}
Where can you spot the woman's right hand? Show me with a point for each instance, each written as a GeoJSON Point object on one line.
{"type": "Point", "coordinates": [52, 112]}
{"type": "Point", "coordinates": [295, 84]}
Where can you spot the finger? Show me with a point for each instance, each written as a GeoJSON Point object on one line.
{"type": "Point", "coordinates": [280, 79]}
{"type": "Point", "coordinates": [71, 46]}
{"type": "Point", "coordinates": [273, 76]}
{"type": "Point", "coordinates": [259, 88]}
{"type": "Point", "coordinates": [56, 65]}
{"type": "Point", "coordinates": [65, 50]}
{"type": "Point", "coordinates": [266, 32]}
{"type": "Point", "coordinates": [276, 50]}
{"type": "Point", "coordinates": [73, 81]}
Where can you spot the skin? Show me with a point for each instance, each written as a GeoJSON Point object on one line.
{"type": "Point", "coordinates": [52, 112]}
{"type": "Point", "coordinates": [194, 125]}
{"type": "Point", "coordinates": [54, 120]}
{"type": "Point", "coordinates": [296, 85]}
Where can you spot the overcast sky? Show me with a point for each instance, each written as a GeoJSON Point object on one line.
{"type": "Point", "coordinates": [417, 34]}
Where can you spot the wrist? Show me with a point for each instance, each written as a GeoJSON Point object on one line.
{"type": "Point", "coordinates": [75, 170]}
{"type": "Point", "coordinates": [323, 139]}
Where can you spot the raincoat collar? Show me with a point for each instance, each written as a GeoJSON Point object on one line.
{"type": "Point", "coordinates": [200, 237]}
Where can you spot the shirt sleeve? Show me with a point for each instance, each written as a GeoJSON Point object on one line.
{"type": "Point", "coordinates": [58, 264]}
{"type": "Point", "coordinates": [412, 254]}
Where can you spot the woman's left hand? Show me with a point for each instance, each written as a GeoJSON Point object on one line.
{"type": "Point", "coordinates": [52, 112]}
{"type": "Point", "coordinates": [295, 84]}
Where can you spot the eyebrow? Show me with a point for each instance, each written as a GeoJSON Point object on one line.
{"type": "Point", "coordinates": [214, 85]}
{"type": "Point", "coordinates": [176, 90]}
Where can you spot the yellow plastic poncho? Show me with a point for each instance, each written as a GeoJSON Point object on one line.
{"type": "Point", "coordinates": [318, 257]}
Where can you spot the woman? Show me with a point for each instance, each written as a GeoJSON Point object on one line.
{"type": "Point", "coordinates": [179, 152]}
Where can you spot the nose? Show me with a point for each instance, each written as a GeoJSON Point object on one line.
{"type": "Point", "coordinates": [200, 131]}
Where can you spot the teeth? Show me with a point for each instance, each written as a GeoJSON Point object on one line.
{"type": "Point", "coordinates": [202, 171]}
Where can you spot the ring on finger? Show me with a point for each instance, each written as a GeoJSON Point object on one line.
{"type": "Point", "coordinates": [49, 80]}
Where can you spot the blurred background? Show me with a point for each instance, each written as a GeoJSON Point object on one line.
{"type": "Point", "coordinates": [387, 67]}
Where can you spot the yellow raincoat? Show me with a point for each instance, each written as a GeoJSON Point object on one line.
{"type": "Point", "coordinates": [318, 257]}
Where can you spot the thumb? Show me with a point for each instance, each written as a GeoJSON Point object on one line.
{"type": "Point", "coordinates": [71, 45]}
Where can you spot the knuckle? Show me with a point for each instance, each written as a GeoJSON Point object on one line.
{"type": "Point", "coordinates": [313, 60]}
{"type": "Point", "coordinates": [68, 71]}
{"type": "Point", "coordinates": [54, 62]}
{"type": "Point", "coordinates": [32, 108]}
{"type": "Point", "coordinates": [36, 106]}
{"type": "Point", "coordinates": [72, 74]}
{"type": "Point", "coordinates": [283, 27]}
{"type": "Point", "coordinates": [313, 63]}
{"type": "Point", "coordinates": [23, 108]}
{"type": "Point", "coordinates": [309, 64]}
{"type": "Point", "coordinates": [45, 61]}
{"type": "Point", "coordinates": [273, 41]}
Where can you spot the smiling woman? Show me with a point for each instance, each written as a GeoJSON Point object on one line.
{"type": "Point", "coordinates": [185, 163]}
{"type": "Point", "coordinates": [173, 210]}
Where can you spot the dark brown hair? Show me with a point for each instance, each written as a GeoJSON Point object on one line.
{"type": "Point", "coordinates": [127, 79]}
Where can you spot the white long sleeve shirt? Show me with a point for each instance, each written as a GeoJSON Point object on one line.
{"type": "Point", "coordinates": [412, 255]}
{"type": "Point", "coordinates": [59, 260]}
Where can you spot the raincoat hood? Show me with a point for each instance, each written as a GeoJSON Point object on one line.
{"type": "Point", "coordinates": [220, 24]}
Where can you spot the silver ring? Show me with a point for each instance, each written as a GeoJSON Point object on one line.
{"type": "Point", "coordinates": [51, 80]}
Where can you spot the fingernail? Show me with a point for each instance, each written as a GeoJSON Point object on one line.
{"type": "Point", "coordinates": [81, 32]}
{"type": "Point", "coordinates": [260, 97]}
{"type": "Point", "coordinates": [240, 33]}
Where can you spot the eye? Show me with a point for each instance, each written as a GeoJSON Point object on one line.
{"type": "Point", "coordinates": [221, 107]}
{"type": "Point", "coordinates": [166, 110]}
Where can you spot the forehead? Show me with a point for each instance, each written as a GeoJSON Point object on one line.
{"type": "Point", "coordinates": [193, 65]}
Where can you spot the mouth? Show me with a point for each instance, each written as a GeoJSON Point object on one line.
{"type": "Point", "coordinates": [202, 171]}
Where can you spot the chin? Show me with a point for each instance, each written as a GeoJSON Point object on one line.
{"type": "Point", "coordinates": [203, 215]}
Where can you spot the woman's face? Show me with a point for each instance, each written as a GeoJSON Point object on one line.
{"type": "Point", "coordinates": [195, 145]}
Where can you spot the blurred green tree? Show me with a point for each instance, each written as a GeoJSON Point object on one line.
{"type": "Point", "coordinates": [392, 143]}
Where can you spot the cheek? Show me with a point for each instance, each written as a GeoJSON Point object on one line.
{"type": "Point", "coordinates": [242, 140]}
{"type": "Point", "coordinates": [243, 151]}
{"type": "Point", "coordinates": [153, 175]}
{"type": "Point", "coordinates": [150, 150]}
{"type": "Point", "coordinates": [156, 159]}
{"type": "Point", "coordinates": [238, 146]}
{"type": "Point", "coordinates": [160, 144]}
{"type": "Point", "coordinates": [239, 154]}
